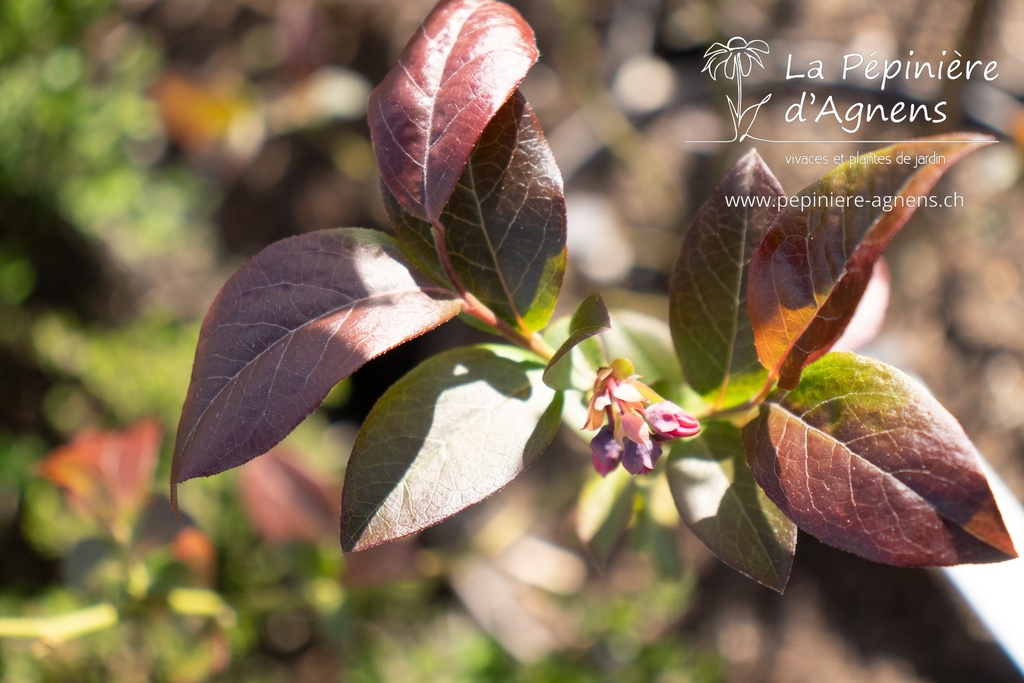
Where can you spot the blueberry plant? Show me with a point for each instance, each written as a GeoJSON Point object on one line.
{"type": "Point", "coordinates": [778, 432]}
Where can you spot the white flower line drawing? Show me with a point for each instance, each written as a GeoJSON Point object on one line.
{"type": "Point", "coordinates": [736, 59]}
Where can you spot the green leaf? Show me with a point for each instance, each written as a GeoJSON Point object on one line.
{"type": "Point", "coordinates": [865, 459]}
{"type": "Point", "coordinates": [719, 500]}
{"type": "Point", "coordinates": [812, 268]}
{"type": "Point", "coordinates": [504, 224]}
{"type": "Point", "coordinates": [591, 318]}
{"type": "Point", "coordinates": [456, 429]}
{"type": "Point", "coordinates": [646, 341]}
{"type": "Point", "coordinates": [708, 293]}
{"type": "Point", "coordinates": [655, 529]}
{"type": "Point", "coordinates": [603, 513]}
{"type": "Point", "coordinates": [641, 338]}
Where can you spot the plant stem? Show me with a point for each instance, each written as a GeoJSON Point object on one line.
{"type": "Point", "coordinates": [740, 408]}
{"type": "Point", "coordinates": [532, 341]}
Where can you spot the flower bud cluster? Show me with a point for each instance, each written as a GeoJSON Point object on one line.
{"type": "Point", "coordinates": [633, 421]}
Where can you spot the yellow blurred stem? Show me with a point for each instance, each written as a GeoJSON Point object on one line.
{"type": "Point", "coordinates": [60, 628]}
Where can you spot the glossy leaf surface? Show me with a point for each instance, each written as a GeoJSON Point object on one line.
{"type": "Point", "coordinates": [591, 318]}
{"type": "Point", "coordinates": [301, 316]}
{"type": "Point", "coordinates": [429, 111]}
{"type": "Point", "coordinates": [719, 500]}
{"type": "Point", "coordinates": [504, 224]}
{"type": "Point", "coordinates": [708, 293]}
{"type": "Point", "coordinates": [457, 428]}
{"type": "Point", "coordinates": [865, 459]}
{"type": "Point", "coordinates": [810, 272]}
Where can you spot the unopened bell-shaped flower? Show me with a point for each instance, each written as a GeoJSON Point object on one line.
{"type": "Point", "coordinates": [669, 421]}
{"type": "Point", "coordinates": [638, 421]}
{"type": "Point", "coordinates": [605, 451]}
{"type": "Point", "coordinates": [638, 458]}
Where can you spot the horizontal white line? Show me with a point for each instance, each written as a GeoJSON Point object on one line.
{"type": "Point", "coordinates": [849, 142]}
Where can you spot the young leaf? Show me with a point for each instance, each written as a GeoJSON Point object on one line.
{"type": "Point", "coordinates": [811, 270]}
{"type": "Point", "coordinates": [504, 224]}
{"type": "Point", "coordinates": [644, 340]}
{"type": "Point", "coordinates": [719, 500]}
{"type": "Point", "coordinates": [429, 111]}
{"type": "Point", "coordinates": [457, 428]}
{"type": "Point", "coordinates": [301, 316]}
{"type": "Point", "coordinates": [591, 318]}
{"type": "Point", "coordinates": [865, 459]}
{"type": "Point", "coordinates": [603, 513]}
{"type": "Point", "coordinates": [708, 293]}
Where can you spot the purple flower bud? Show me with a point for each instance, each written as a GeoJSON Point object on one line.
{"type": "Point", "coordinates": [640, 459]}
{"type": "Point", "coordinates": [669, 421]}
{"type": "Point", "coordinates": [605, 451]}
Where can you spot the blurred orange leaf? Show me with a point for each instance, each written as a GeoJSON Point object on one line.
{"type": "Point", "coordinates": [196, 551]}
{"type": "Point", "coordinates": [106, 474]}
{"type": "Point", "coordinates": [199, 116]}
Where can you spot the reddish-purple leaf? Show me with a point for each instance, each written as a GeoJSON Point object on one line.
{"type": "Point", "coordinates": [301, 316]}
{"type": "Point", "coordinates": [865, 459]}
{"type": "Point", "coordinates": [867, 321]}
{"type": "Point", "coordinates": [429, 111]}
{"type": "Point", "coordinates": [707, 297]}
{"type": "Point", "coordinates": [504, 224]}
{"type": "Point", "coordinates": [812, 268]}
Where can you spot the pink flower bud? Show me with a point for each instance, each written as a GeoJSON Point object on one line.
{"type": "Point", "coordinates": [605, 451]}
{"type": "Point", "coordinates": [635, 429]}
{"type": "Point", "coordinates": [669, 421]}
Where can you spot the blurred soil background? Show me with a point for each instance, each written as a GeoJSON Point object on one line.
{"type": "Point", "coordinates": [148, 147]}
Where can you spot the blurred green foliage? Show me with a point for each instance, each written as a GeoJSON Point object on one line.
{"type": "Point", "coordinates": [80, 131]}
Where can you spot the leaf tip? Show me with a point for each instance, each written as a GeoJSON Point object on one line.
{"type": "Point", "coordinates": [988, 527]}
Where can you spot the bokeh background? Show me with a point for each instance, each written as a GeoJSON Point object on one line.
{"type": "Point", "coordinates": [148, 147]}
